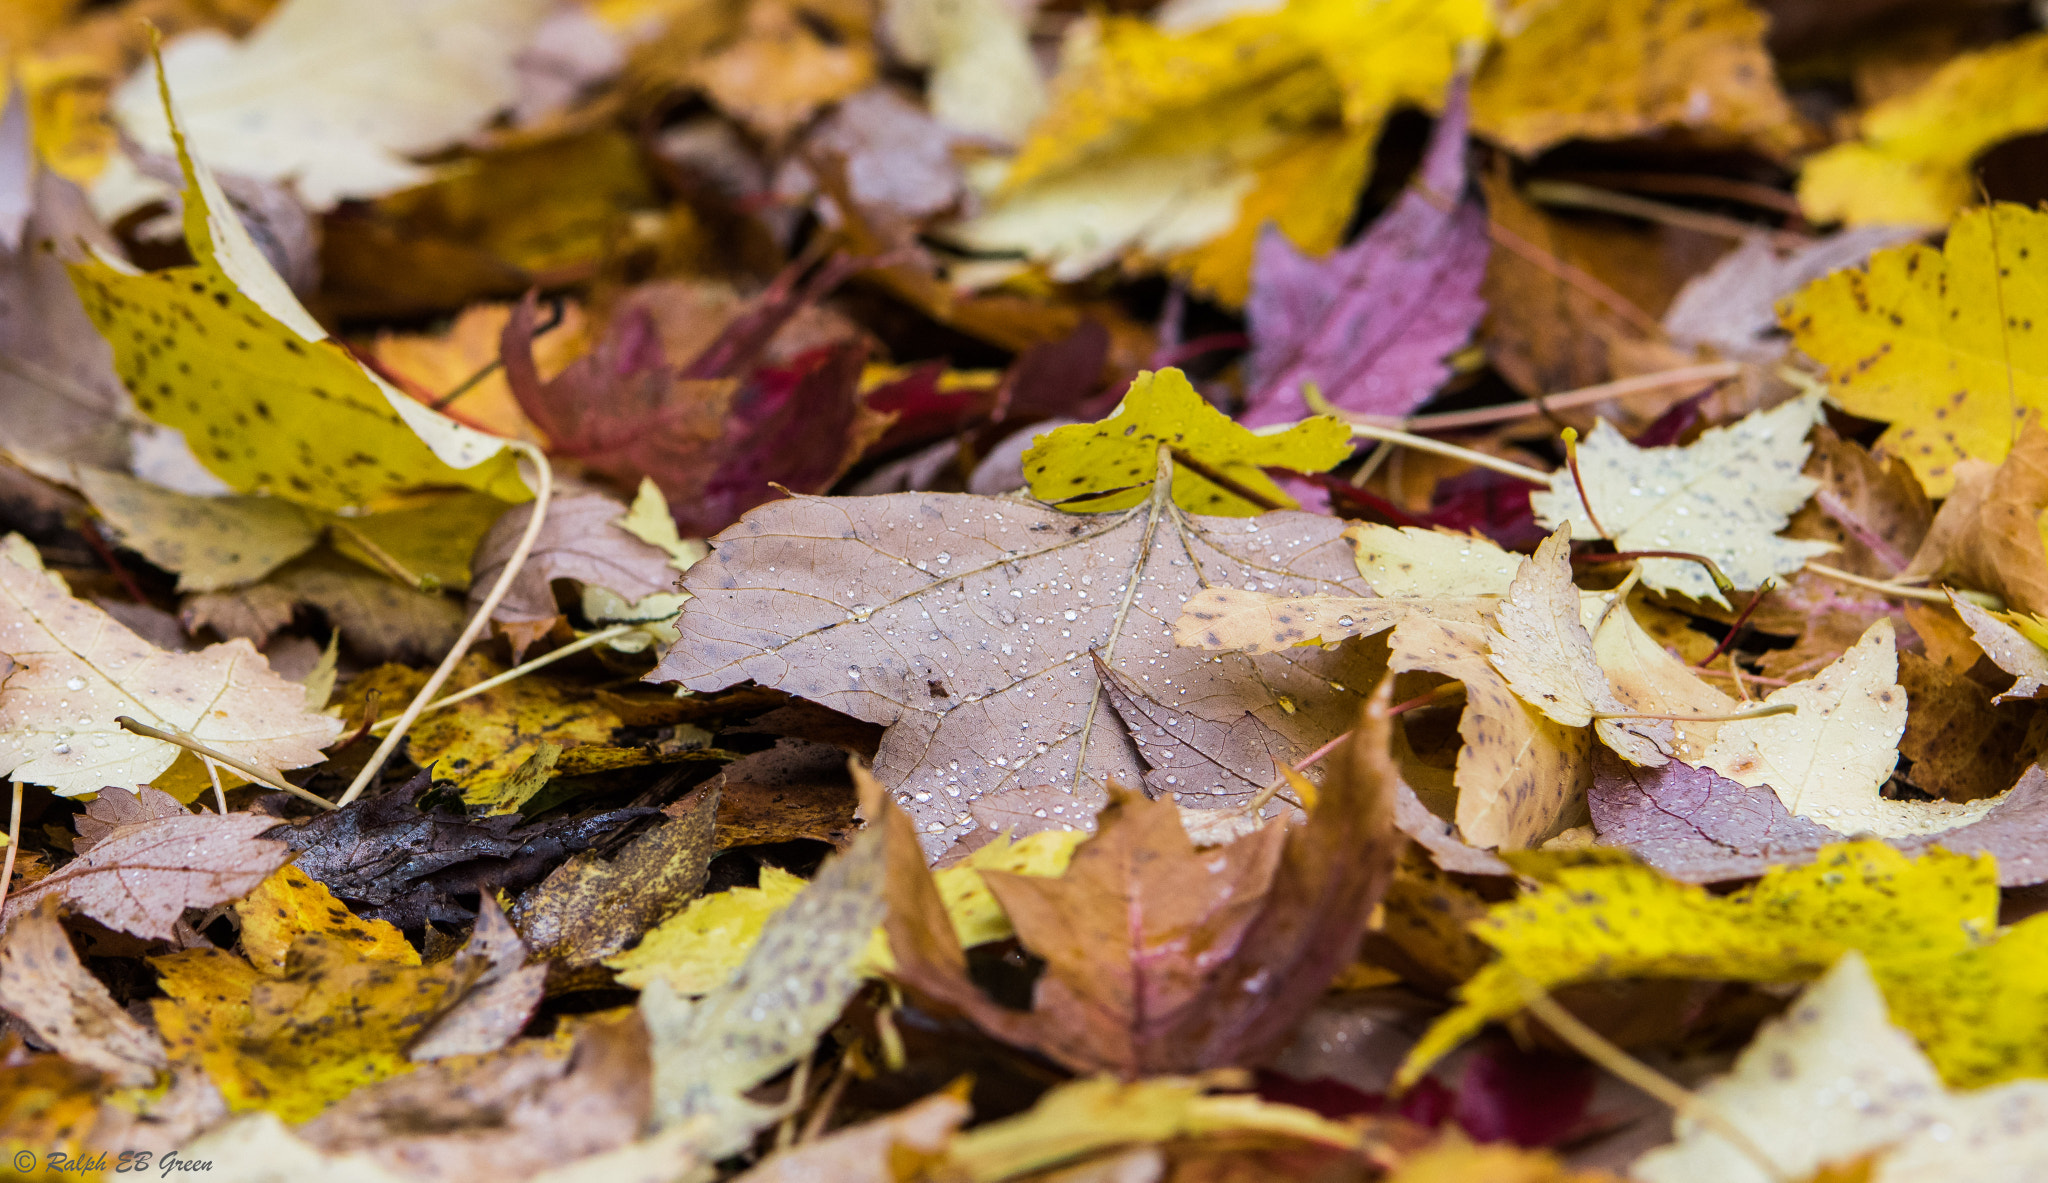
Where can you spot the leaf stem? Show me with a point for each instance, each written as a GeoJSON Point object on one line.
{"type": "Point", "coordinates": [1422, 443]}
{"type": "Point", "coordinates": [1596, 1047]}
{"type": "Point", "coordinates": [1728, 641]}
{"type": "Point", "coordinates": [518, 671]}
{"type": "Point", "coordinates": [1762, 712]}
{"type": "Point", "coordinates": [1714, 571]}
{"type": "Point", "coordinates": [1571, 461]}
{"type": "Point", "coordinates": [544, 487]}
{"type": "Point", "coordinates": [200, 749]}
{"type": "Point", "coordinates": [385, 558]}
{"type": "Point", "coordinates": [13, 845]}
{"type": "Point", "coordinates": [1719, 371]}
{"type": "Point", "coordinates": [1900, 590]}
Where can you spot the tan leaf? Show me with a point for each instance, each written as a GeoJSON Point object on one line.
{"type": "Point", "coordinates": [43, 984]}
{"type": "Point", "coordinates": [958, 620]}
{"type": "Point", "coordinates": [1540, 646]}
{"type": "Point", "coordinates": [1725, 496]}
{"type": "Point", "coordinates": [1828, 761]}
{"type": "Point", "coordinates": [211, 542]}
{"type": "Point", "coordinates": [2008, 648]}
{"type": "Point", "coordinates": [867, 1153]}
{"type": "Point", "coordinates": [1255, 622]}
{"type": "Point", "coordinates": [581, 539]}
{"type": "Point", "coordinates": [81, 670]}
{"type": "Point", "coordinates": [1519, 772]}
{"type": "Point", "coordinates": [1430, 563]}
{"type": "Point", "coordinates": [1988, 534]}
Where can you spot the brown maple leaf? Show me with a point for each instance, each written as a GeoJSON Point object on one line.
{"type": "Point", "coordinates": [965, 624]}
{"type": "Point", "coordinates": [140, 878]}
{"type": "Point", "coordinates": [1162, 958]}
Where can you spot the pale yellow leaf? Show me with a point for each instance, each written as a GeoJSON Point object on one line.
{"type": "Point", "coordinates": [2008, 648]}
{"type": "Point", "coordinates": [1408, 561]}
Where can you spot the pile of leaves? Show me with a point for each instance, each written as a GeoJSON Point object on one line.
{"type": "Point", "coordinates": [970, 590]}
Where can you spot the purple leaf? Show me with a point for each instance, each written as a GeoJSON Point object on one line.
{"type": "Point", "coordinates": [1371, 323]}
{"type": "Point", "coordinates": [1696, 825]}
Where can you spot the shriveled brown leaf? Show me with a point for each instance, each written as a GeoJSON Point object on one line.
{"type": "Point", "coordinates": [2008, 648]}
{"type": "Point", "coordinates": [110, 811]}
{"type": "Point", "coordinates": [140, 878]}
{"type": "Point", "coordinates": [579, 540]}
{"type": "Point", "coordinates": [1871, 508]}
{"type": "Point", "coordinates": [497, 1007]}
{"type": "Point", "coordinates": [868, 1152]}
{"type": "Point", "coordinates": [1964, 745]}
{"type": "Point", "coordinates": [1160, 959]}
{"type": "Point", "coordinates": [599, 902]}
{"type": "Point", "coordinates": [43, 984]}
{"type": "Point", "coordinates": [504, 1115]}
{"type": "Point", "coordinates": [965, 624]}
{"type": "Point", "coordinates": [1987, 536]}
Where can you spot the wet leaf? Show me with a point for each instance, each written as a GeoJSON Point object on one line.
{"type": "Point", "coordinates": [43, 984]}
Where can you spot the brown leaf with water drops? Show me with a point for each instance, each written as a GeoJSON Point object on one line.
{"type": "Point", "coordinates": [966, 625]}
{"type": "Point", "coordinates": [140, 878]}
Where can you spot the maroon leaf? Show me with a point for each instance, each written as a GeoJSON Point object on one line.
{"type": "Point", "coordinates": [1371, 323]}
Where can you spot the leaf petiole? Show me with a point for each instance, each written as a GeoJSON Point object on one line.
{"type": "Point", "coordinates": [518, 671]}
{"type": "Point", "coordinates": [1902, 591]}
{"type": "Point", "coordinates": [201, 750]}
{"type": "Point", "coordinates": [1762, 712]}
{"type": "Point", "coordinates": [1313, 395]}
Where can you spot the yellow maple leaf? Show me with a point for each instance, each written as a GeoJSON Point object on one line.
{"type": "Point", "coordinates": [1913, 161]}
{"type": "Point", "coordinates": [1177, 146]}
{"type": "Point", "coordinates": [1162, 410]}
{"type": "Point", "coordinates": [268, 402]}
{"type": "Point", "coordinates": [1950, 347]}
{"type": "Point", "coordinates": [290, 904]}
{"type": "Point", "coordinates": [1928, 928]}
{"type": "Point", "coordinates": [1609, 69]}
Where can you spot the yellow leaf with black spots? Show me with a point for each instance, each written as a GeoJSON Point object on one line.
{"type": "Point", "coordinates": [1119, 456]}
{"type": "Point", "coordinates": [293, 1044]}
{"type": "Point", "coordinates": [224, 352]}
{"type": "Point", "coordinates": [290, 904]}
{"type": "Point", "coordinates": [1949, 346]}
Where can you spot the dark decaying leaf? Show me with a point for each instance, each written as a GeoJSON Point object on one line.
{"type": "Point", "coordinates": [966, 625]}
{"type": "Point", "coordinates": [140, 878]}
{"type": "Point", "coordinates": [796, 789]}
{"type": "Point", "coordinates": [1160, 959]}
{"type": "Point", "coordinates": [408, 865]}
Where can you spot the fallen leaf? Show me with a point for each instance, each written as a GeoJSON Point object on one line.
{"type": "Point", "coordinates": [1733, 305]}
{"type": "Point", "coordinates": [1083, 1117]}
{"type": "Point", "coordinates": [424, 540]}
{"type": "Point", "coordinates": [212, 542]}
{"type": "Point", "coordinates": [1987, 535]}
{"type": "Point", "coordinates": [1963, 746]}
{"type": "Point", "coordinates": [43, 984]}
{"type": "Point", "coordinates": [1696, 825]}
{"type": "Point", "coordinates": [109, 812]}
{"type": "Point", "coordinates": [1466, 1162]}
{"type": "Point", "coordinates": [1371, 323]}
{"type": "Point", "coordinates": [336, 98]}
{"type": "Point", "coordinates": [579, 539]}
{"type": "Point", "coordinates": [1158, 958]}
{"type": "Point", "coordinates": [1182, 144]}
{"type": "Point", "coordinates": [1542, 650]}
{"type": "Point", "coordinates": [868, 1152]}
{"type": "Point", "coordinates": [80, 670]}
{"type": "Point", "coordinates": [2008, 648]}
{"type": "Point", "coordinates": [1912, 159]}
{"type": "Point", "coordinates": [790, 989]}
{"type": "Point", "coordinates": [696, 950]}
{"type": "Point", "coordinates": [1918, 338]}
{"type": "Point", "coordinates": [382, 619]}
{"type": "Point", "coordinates": [307, 421]}
{"type": "Point", "coordinates": [498, 1006]}
{"type": "Point", "coordinates": [1243, 756]}
{"type": "Point", "coordinates": [1828, 761]}
{"type": "Point", "coordinates": [1871, 508]}
{"type": "Point", "coordinates": [1590, 70]}
{"type": "Point", "coordinates": [1725, 495]}
{"type": "Point", "coordinates": [1927, 926]}
{"type": "Point", "coordinates": [260, 1148]}
{"type": "Point", "coordinates": [1519, 772]}
{"type": "Point", "coordinates": [140, 878]}
{"type": "Point", "coordinates": [983, 78]}
{"type": "Point", "coordinates": [1161, 411]}
{"type": "Point", "coordinates": [58, 392]}
{"type": "Point", "coordinates": [1834, 1079]}
{"type": "Point", "coordinates": [294, 1043]}
{"type": "Point", "coordinates": [46, 1102]}
{"type": "Point", "coordinates": [599, 902]}
{"type": "Point", "coordinates": [442, 362]}
{"type": "Point", "coordinates": [510, 1113]}
{"type": "Point", "coordinates": [290, 905]}
{"type": "Point", "coordinates": [797, 789]}
{"type": "Point", "coordinates": [409, 865]}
